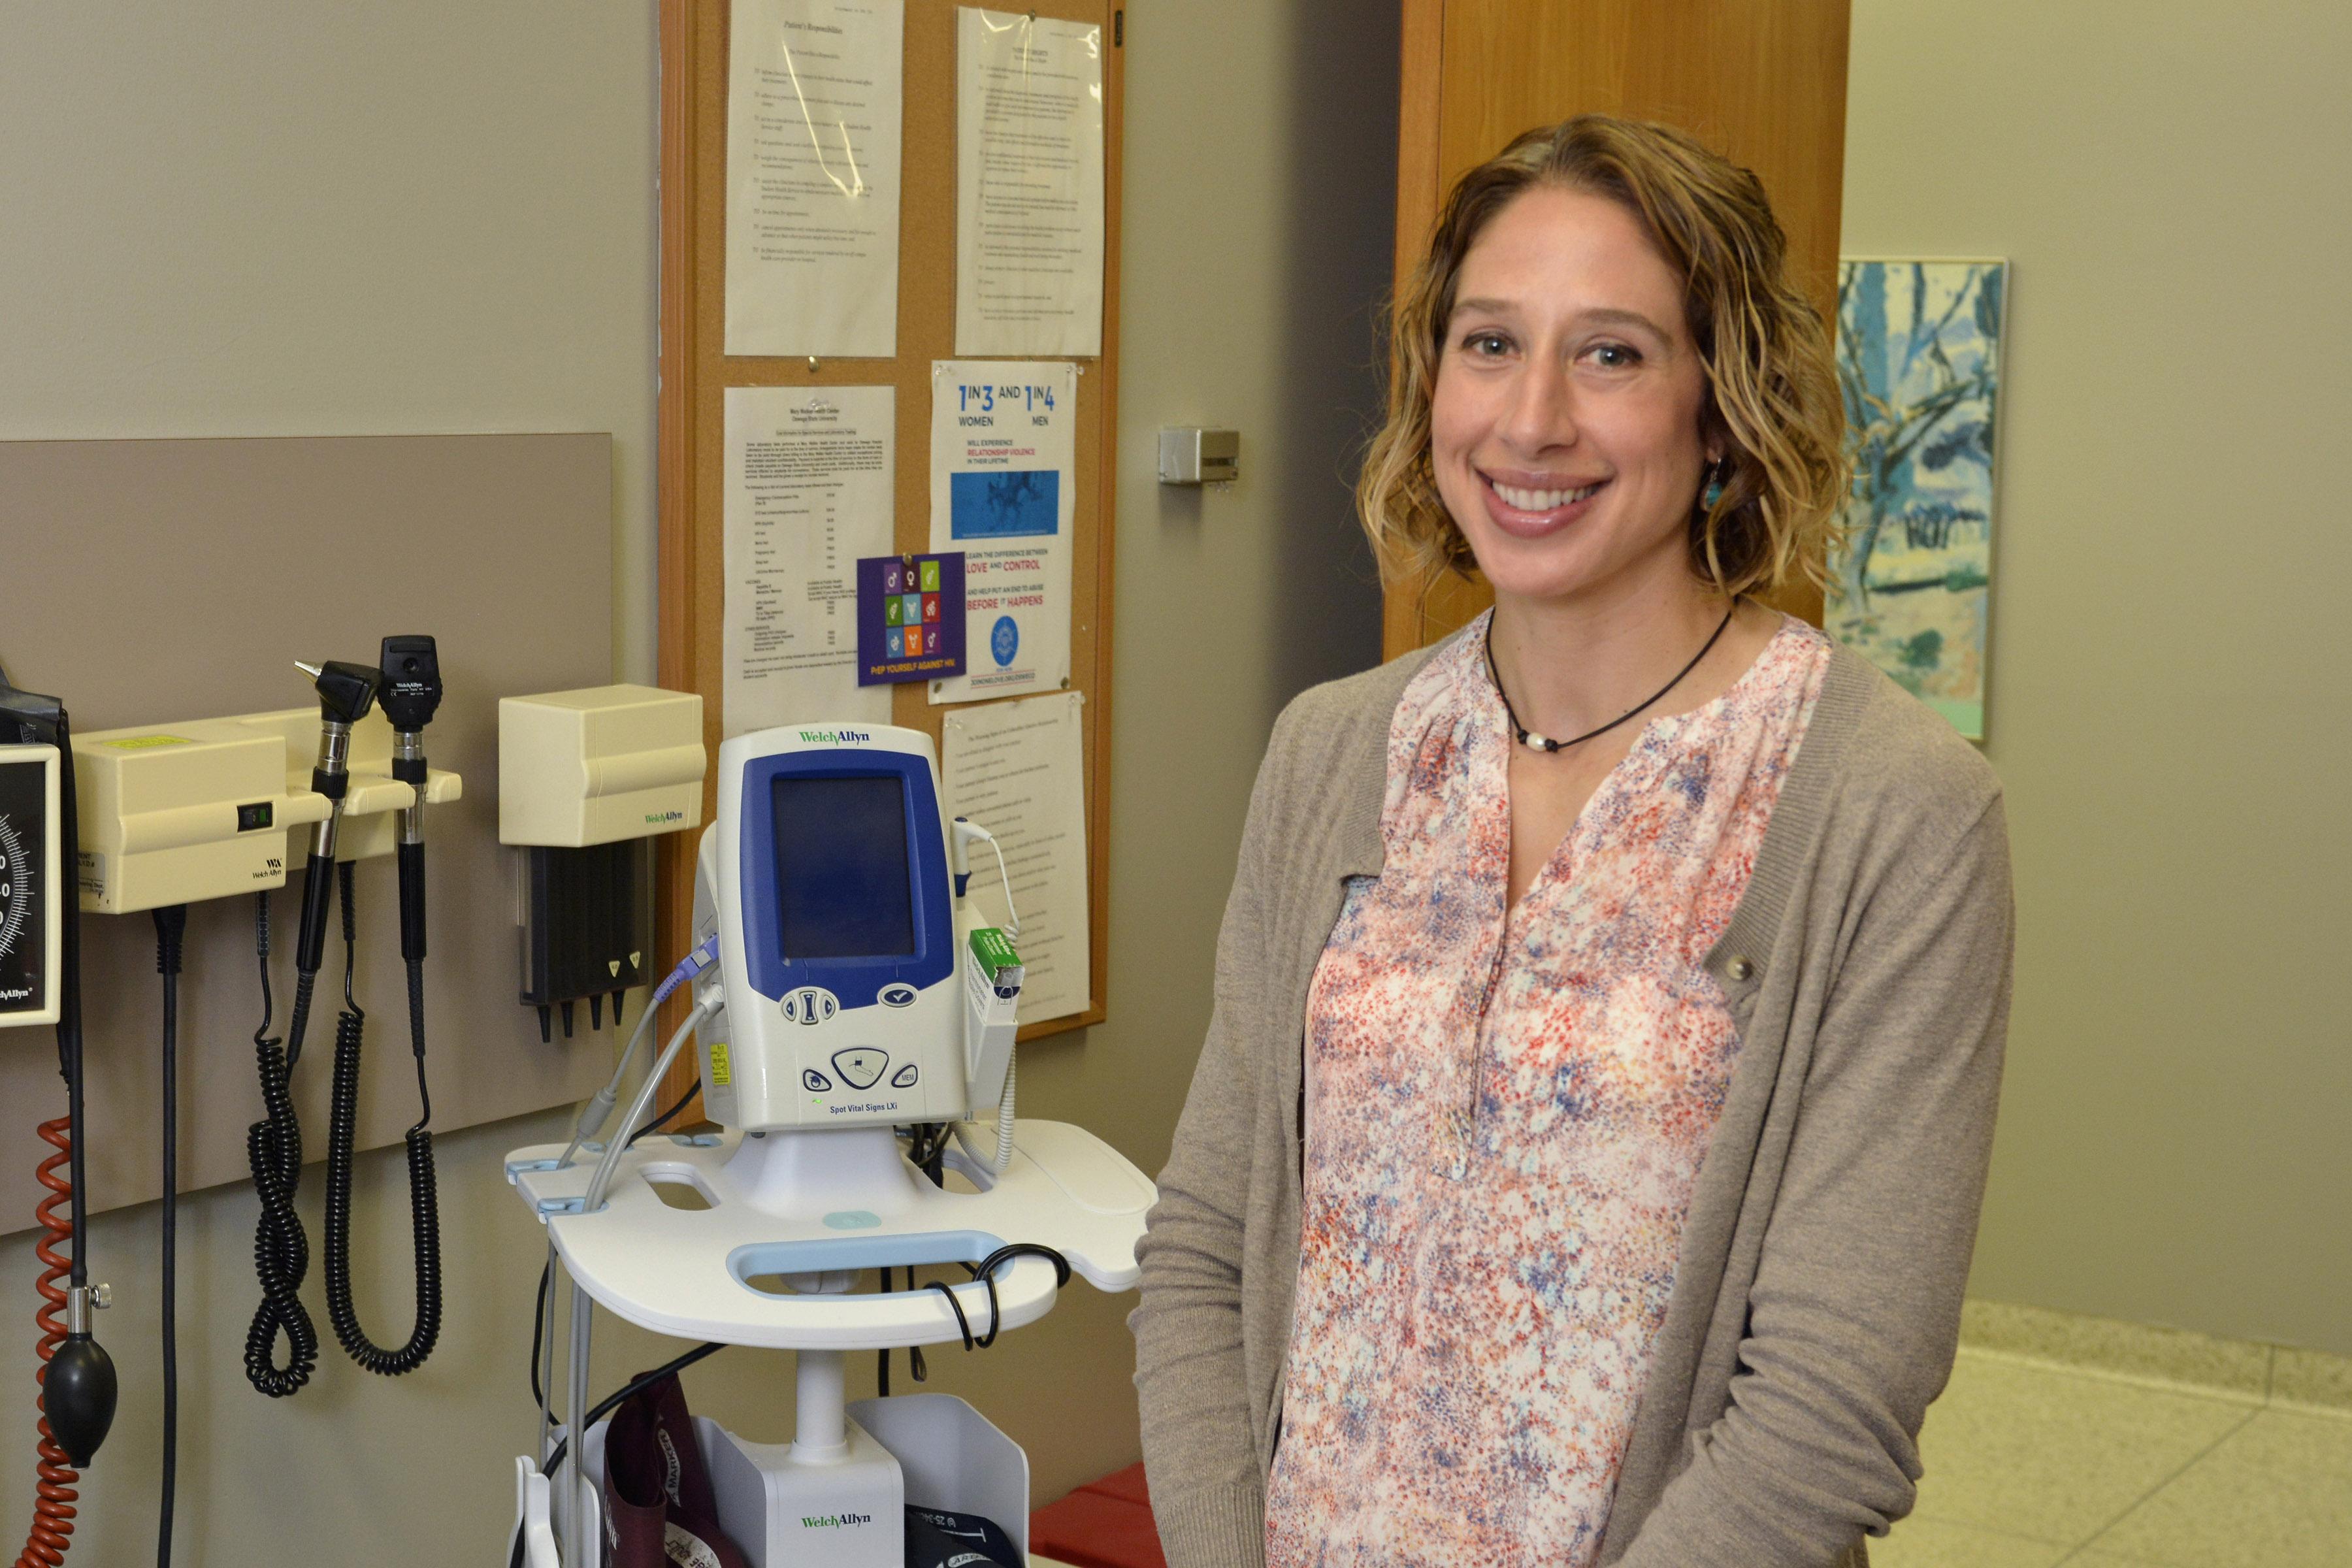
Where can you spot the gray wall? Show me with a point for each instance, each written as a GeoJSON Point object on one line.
{"type": "Point", "coordinates": [279, 219]}
{"type": "Point", "coordinates": [2166, 705]}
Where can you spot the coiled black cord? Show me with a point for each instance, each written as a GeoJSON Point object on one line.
{"type": "Point", "coordinates": [424, 1213]}
{"type": "Point", "coordinates": [281, 1254]}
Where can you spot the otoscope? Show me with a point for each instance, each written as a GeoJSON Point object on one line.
{"type": "Point", "coordinates": [410, 692]}
{"type": "Point", "coordinates": [78, 1384]}
{"type": "Point", "coordinates": [274, 1145]}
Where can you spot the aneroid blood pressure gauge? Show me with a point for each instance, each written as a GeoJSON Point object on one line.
{"type": "Point", "coordinates": [31, 884]}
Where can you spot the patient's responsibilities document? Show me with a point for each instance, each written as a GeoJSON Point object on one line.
{"type": "Point", "coordinates": [1004, 483]}
{"type": "Point", "coordinates": [808, 491]}
{"type": "Point", "coordinates": [1018, 769]}
{"type": "Point", "coordinates": [1029, 185]}
{"type": "Point", "coordinates": [814, 114]}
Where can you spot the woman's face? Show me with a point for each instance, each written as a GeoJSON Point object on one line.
{"type": "Point", "coordinates": [1564, 428]}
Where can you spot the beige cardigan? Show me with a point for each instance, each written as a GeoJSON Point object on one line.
{"type": "Point", "coordinates": [1817, 1301]}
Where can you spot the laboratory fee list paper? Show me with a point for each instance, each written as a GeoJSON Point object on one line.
{"type": "Point", "coordinates": [808, 491]}
{"type": "Point", "coordinates": [814, 114]}
{"type": "Point", "coordinates": [1018, 769]}
{"type": "Point", "coordinates": [1029, 185]}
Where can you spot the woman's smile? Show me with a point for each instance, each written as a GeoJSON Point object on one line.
{"type": "Point", "coordinates": [1531, 506]}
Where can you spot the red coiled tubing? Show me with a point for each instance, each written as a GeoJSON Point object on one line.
{"type": "Point", "coordinates": [53, 1509]}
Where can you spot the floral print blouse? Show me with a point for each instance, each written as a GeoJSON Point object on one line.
{"type": "Point", "coordinates": [1507, 1108]}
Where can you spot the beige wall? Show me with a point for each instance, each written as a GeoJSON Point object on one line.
{"type": "Point", "coordinates": [2172, 183]}
{"type": "Point", "coordinates": [251, 217]}
{"type": "Point", "coordinates": [280, 219]}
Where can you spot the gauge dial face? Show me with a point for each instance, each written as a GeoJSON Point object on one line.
{"type": "Point", "coordinates": [23, 871]}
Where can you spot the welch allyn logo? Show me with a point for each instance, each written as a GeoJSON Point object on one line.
{"type": "Point", "coordinates": [665, 816]}
{"type": "Point", "coordinates": [836, 737]}
{"type": "Point", "coordinates": [834, 1520]}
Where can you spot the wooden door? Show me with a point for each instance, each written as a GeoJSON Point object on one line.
{"type": "Point", "coordinates": [1762, 82]}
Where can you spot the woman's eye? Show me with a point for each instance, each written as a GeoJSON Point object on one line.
{"type": "Point", "coordinates": [1485, 344]}
{"type": "Point", "coordinates": [1614, 356]}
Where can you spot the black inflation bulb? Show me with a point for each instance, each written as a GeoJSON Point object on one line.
{"type": "Point", "coordinates": [616, 1007]}
{"type": "Point", "coordinates": [567, 1020]}
{"type": "Point", "coordinates": [546, 1025]}
{"type": "Point", "coordinates": [78, 1393]}
{"type": "Point", "coordinates": [595, 1012]}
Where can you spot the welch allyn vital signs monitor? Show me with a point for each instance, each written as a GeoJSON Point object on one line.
{"type": "Point", "coordinates": [826, 880]}
{"type": "Point", "coordinates": [847, 996]}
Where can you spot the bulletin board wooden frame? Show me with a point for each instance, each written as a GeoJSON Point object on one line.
{"type": "Point", "coordinates": [695, 371]}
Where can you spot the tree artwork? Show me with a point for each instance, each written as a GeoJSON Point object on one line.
{"type": "Point", "coordinates": [1919, 363]}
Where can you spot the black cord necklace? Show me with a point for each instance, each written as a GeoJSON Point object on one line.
{"type": "Point", "coordinates": [1544, 743]}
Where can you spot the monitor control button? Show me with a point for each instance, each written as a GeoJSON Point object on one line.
{"type": "Point", "coordinates": [861, 1066]}
{"type": "Point", "coordinates": [904, 1078]}
{"type": "Point", "coordinates": [809, 1005]}
{"type": "Point", "coordinates": [792, 1007]}
{"type": "Point", "coordinates": [899, 995]}
{"type": "Point", "coordinates": [814, 1081]}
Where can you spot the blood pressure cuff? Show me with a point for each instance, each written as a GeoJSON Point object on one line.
{"type": "Point", "coordinates": [659, 1508]}
{"type": "Point", "coordinates": [938, 1538]}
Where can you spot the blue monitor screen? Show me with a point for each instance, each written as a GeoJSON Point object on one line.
{"type": "Point", "coordinates": [841, 868]}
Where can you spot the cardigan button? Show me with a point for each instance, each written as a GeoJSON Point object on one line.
{"type": "Point", "coordinates": [1739, 968]}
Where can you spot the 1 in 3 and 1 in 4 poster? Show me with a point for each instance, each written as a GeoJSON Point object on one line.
{"type": "Point", "coordinates": [1005, 491]}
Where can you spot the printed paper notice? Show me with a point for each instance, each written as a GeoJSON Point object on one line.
{"type": "Point", "coordinates": [1005, 491]}
{"type": "Point", "coordinates": [1018, 769]}
{"type": "Point", "coordinates": [1029, 197]}
{"type": "Point", "coordinates": [813, 115]}
{"type": "Point", "coordinates": [808, 492]}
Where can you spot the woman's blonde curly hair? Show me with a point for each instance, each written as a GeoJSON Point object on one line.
{"type": "Point", "coordinates": [1771, 382]}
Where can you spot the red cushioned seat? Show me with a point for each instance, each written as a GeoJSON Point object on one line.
{"type": "Point", "coordinates": [1104, 1524]}
{"type": "Point", "coordinates": [1128, 1483]}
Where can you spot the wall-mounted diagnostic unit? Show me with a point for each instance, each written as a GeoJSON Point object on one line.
{"type": "Point", "coordinates": [175, 813]}
{"type": "Point", "coordinates": [31, 951]}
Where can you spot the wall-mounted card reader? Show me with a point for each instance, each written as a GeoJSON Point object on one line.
{"type": "Point", "coordinates": [1194, 456]}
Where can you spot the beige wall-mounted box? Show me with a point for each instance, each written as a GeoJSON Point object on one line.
{"type": "Point", "coordinates": [599, 765]}
{"type": "Point", "coordinates": [177, 813]}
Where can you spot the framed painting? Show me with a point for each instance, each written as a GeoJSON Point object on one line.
{"type": "Point", "coordinates": [1919, 351]}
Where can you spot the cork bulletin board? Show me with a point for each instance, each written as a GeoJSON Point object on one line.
{"type": "Point", "coordinates": [697, 371]}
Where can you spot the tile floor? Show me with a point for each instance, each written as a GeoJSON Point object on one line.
{"type": "Point", "coordinates": [2032, 1464]}
{"type": "Point", "coordinates": [2029, 1465]}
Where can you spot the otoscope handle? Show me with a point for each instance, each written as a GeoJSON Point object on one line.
{"type": "Point", "coordinates": [412, 901]}
{"type": "Point", "coordinates": [317, 900]}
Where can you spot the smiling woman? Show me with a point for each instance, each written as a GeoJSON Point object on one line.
{"type": "Point", "coordinates": [1584, 1158]}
